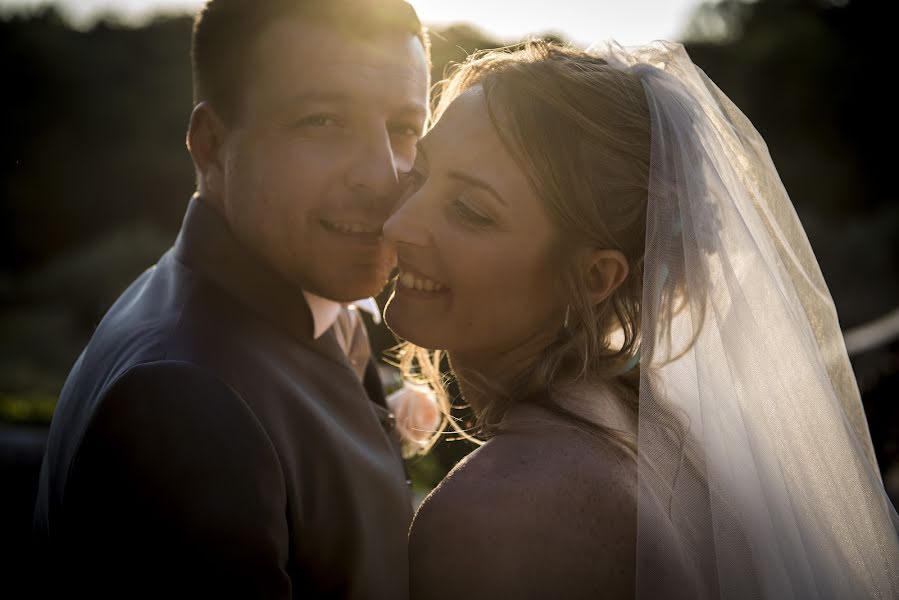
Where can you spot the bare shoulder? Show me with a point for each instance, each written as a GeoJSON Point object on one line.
{"type": "Point", "coordinates": [547, 513]}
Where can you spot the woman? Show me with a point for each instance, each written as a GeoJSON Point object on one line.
{"type": "Point", "coordinates": [602, 241]}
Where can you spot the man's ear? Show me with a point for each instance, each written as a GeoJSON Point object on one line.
{"type": "Point", "coordinates": [605, 271]}
{"type": "Point", "coordinates": [205, 141]}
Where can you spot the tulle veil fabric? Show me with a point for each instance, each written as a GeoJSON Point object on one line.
{"type": "Point", "coordinates": [757, 476]}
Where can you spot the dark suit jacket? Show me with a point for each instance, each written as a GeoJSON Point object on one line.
{"type": "Point", "coordinates": [205, 445]}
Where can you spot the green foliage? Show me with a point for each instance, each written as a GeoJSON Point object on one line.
{"type": "Point", "coordinates": [38, 345]}
{"type": "Point", "coordinates": [33, 409]}
{"type": "Point", "coordinates": [426, 472]}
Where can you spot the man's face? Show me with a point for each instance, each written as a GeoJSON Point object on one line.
{"type": "Point", "coordinates": [311, 162]}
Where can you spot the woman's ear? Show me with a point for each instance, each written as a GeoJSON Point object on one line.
{"type": "Point", "coordinates": [205, 140]}
{"type": "Point", "coordinates": [605, 271]}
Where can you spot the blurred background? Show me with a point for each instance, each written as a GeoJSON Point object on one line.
{"type": "Point", "coordinates": [95, 177]}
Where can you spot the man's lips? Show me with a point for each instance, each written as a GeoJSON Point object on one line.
{"type": "Point", "coordinates": [350, 227]}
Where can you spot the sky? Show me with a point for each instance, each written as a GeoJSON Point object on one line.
{"type": "Point", "coordinates": [580, 21]}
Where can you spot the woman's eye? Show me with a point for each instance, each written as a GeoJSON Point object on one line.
{"type": "Point", "coordinates": [470, 215]}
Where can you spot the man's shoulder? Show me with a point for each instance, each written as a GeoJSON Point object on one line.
{"type": "Point", "coordinates": [168, 313]}
{"type": "Point", "coordinates": [132, 395]}
{"type": "Point", "coordinates": [157, 377]}
{"type": "Point", "coordinates": [170, 392]}
{"type": "Point", "coordinates": [146, 336]}
{"type": "Point", "coordinates": [168, 297]}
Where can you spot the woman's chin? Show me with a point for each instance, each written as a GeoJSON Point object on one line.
{"type": "Point", "coordinates": [403, 321]}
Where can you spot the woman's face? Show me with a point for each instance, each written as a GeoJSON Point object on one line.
{"type": "Point", "coordinates": [474, 247]}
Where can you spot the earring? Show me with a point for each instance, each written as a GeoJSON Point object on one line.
{"type": "Point", "coordinates": [567, 314]}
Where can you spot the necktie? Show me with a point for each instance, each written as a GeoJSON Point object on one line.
{"type": "Point", "coordinates": [353, 339]}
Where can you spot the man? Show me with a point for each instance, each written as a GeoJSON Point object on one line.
{"type": "Point", "coordinates": [215, 437]}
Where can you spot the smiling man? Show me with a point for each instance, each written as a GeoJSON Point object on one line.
{"type": "Point", "coordinates": [223, 434]}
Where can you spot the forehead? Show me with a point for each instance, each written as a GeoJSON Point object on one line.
{"type": "Point", "coordinates": [465, 138]}
{"type": "Point", "coordinates": [292, 57]}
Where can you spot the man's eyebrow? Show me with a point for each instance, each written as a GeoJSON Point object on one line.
{"type": "Point", "coordinates": [316, 96]}
{"type": "Point", "coordinates": [412, 109]}
{"type": "Point", "coordinates": [419, 111]}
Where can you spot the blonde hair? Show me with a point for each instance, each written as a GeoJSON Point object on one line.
{"type": "Point", "coordinates": [580, 130]}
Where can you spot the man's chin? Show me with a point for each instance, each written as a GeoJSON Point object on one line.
{"type": "Point", "coordinates": [350, 291]}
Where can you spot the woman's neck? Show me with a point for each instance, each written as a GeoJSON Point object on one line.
{"type": "Point", "coordinates": [487, 376]}
{"type": "Point", "coordinates": [479, 387]}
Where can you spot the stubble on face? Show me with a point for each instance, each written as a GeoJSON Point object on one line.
{"type": "Point", "coordinates": [312, 168]}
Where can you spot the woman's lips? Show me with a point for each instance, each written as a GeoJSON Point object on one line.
{"type": "Point", "coordinates": [409, 279]}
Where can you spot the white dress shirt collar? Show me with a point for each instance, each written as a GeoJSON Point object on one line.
{"type": "Point", "coordinates": [325, 311]}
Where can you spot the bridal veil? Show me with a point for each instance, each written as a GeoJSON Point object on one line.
{"type": "Point", "coordinates": [757, 476]}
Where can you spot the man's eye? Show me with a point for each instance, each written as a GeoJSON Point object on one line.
{"type": "Point", "coordinates": [406, 129]}
{"type": "Point", "coordinates": [322, 120]}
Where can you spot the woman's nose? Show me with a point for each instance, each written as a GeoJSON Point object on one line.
{"type": "Point", "coordinates": [409, 223]}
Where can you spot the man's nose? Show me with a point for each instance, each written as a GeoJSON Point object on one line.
{"type": "Point", "coordinates": [372, 172]}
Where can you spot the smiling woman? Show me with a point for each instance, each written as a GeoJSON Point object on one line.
{"type": "Point", "coordinates": [616, 252]}
{"type": "Point", "coordinates": [473, 240]}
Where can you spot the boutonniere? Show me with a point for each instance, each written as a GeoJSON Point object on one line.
{"type": "Point", "coordinates": [417, 415]}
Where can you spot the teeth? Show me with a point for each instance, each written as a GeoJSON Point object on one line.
{"type": "Point", "coordinates": [351, 227]}
{"type": "Point", "coordinates": [422, 284]}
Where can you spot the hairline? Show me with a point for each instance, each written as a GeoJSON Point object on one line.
{"type": "Point", "coordinates": [236, 101]}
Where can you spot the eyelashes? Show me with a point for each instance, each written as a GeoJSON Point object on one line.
{"type": "Point", "coordinates": [459, 207]}
{"type": "Point", "coordinates": [470, 215]}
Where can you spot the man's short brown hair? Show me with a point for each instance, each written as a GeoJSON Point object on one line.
{"type": "Point", "coordinates": [225, 32]}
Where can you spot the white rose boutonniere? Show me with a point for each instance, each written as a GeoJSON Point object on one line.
{"type": "Point", "coordinates": [417, 415]}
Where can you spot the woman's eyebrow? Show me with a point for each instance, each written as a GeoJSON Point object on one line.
{"type": "Point", "coordinates": [464, 177]}
{"type": "Point", "coordinates": [472, 180]}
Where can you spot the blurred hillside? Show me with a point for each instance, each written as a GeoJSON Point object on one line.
{"type": "Point", "coordinates": [94, 174]}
